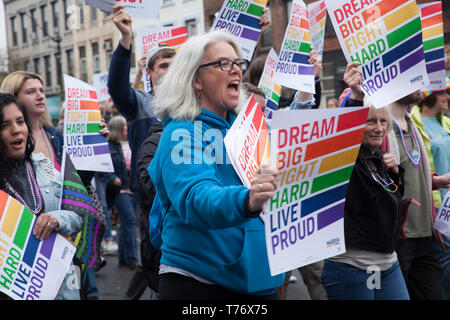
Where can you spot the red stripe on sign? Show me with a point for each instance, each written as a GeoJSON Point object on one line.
{"type": "Point", "coordinates": [352, 119]}
{"type": "Point", "coordinates": [327, 146]}
{"type": "Point", "coordinates": [429, 10]}
{"type": "Point", "coordinates": [179, 31]}
{"type": "Point", "coordinates": [93, 94]}
{"type": "Point", "coordinates": [376, 11]}
{"type": "Point", "coordinates": [3, 200]}
{"type": "Point", "coordinates": [321, 15]}
{"type": "Point", "coordinates": [250, 105]}
{"type": "Point", "coordinates": [304, 24]}
{"type": "Point", "coordinates": [176, 41]}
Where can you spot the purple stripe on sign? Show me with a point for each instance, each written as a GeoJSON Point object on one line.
{"type": "Point", "coordinates": [309, 70]}
{"type": "Point", "coordinates": [435, 66]}
{"type": "Point", "coordinates": [78, 204]}
{"type": "Point", "coordinates": [47, 245]}
{"type": "Point", "coordinates": [411, 60]}
{"type": "Point", "coordinates": [102, 149]}
{"type": "Point", "coordinates": [330, 216]}
{"type": "Point", "coordinates": [250, 34]}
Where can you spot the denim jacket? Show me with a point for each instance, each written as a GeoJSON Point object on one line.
{"type": "Point", "coordinates": [69, 223]}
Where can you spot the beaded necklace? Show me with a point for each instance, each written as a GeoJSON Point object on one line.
{"type": "Point", "coordinates": [385, 181]}
{"type": "Point", "coordinates": [415, 155]}
{"type": "Point", "coordinates": [37, 197]}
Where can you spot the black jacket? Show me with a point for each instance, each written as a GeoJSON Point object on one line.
{"type": "Point", "coordinates": [372, 215]}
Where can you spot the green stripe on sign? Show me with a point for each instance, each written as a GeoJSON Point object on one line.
{"type": "Point", "coordinates": [80, 249]}
{"type": "Point", "coordinates": [24, 227]}
{"type": "Point", "coordinates": [404, 32]}
{"type": "Point", "coordinates": [74, 185]}
{"type": "Point", "coordinates": [255, 10]}
{"type": "Point", "coordinates": [433, 43]}
{"type": "Point", "coordinates": [305, 47]}
{"type": "Point", "coordinates": [331, 179]}
{"type": "Point", "coordinates": [316, 37]}
{"type": "Point", "coordinates": [93, 127]}
{"type": "Point", "coordinates": [275, 97]}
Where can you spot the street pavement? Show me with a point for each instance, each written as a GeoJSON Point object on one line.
{"type": "Point", "coordinates": [112, 283]}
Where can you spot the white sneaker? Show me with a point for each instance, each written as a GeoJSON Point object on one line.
{"type": "Point", "coordinates": [292, 279]}
{"type": "Point", "coordinates": [109, 247]}
{"type": "Point", "coordinates": [113, 233]}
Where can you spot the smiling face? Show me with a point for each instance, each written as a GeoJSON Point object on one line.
{"type": "Point", "coordinates": [219, 89]}
{"type": "Point", "coordinates": [376, 128]}
{"type": "Point", "coordinates": [14, 131]}
{"type": "Point", "coordinates": [32, 96]}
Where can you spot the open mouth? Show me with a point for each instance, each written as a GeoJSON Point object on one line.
{"type": "Point", "coordinates": [234, 85]}
{"type": "Point", "coordinates": [18, 143]}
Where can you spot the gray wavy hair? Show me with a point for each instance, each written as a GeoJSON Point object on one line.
{"type": "Point", "coordinates": [175, 95]}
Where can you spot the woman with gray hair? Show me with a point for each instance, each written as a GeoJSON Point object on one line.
{"type": "Point", "coordinates": [213, 242]}
{"type": "Point", "coordinates": [372, 223]}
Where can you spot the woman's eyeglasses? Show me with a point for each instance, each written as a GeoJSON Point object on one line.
{"type": "Point", "coordinates": [227, 65]}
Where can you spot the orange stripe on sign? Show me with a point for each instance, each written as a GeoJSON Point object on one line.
{"type": "Point", "coordinates": [338, 160]}
{"type": "Point", "coordinates": [431, 21]}
{"type": "Point", "coordinates": [250, 106]}
{"type": "Point", "coordinates": [321, 15]}
{"type": "Point", "coordinates": [352, 119]}
{"type": "Point", "coordinates": [3, 200]}
{"type": "Point", "coordinates": [334, 144]}
{"type": "Point", "coordinates": [261, 144]}
{"type": "Point", "coordinates": [304, 24]}
{"type": "Point", "coordinates": [176, 41]}
{"type": "Point", "coordinates": [376, 11]}
{"type": "Point", "coordinates": [89, 105]}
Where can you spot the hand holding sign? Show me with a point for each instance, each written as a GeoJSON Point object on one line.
{"type": "Point", "coordinates": [353, 78]}
{"type": "Point", "coordinates": [263, 186]}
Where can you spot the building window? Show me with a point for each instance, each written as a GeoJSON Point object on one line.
{"type": "Point", "coordinates": [23, 21]}
{"type": "Point", "coordinates": [44, 19]}
{"type": "Point", "coordinates": [96, 57]}
{"type": "Point", "coordinates": [93, 14]}
{"type": "Point", "coordinates": [48, 71]}
{"type": "Point", "coordinates": [55, 14]}
{"type": "Point", "coordinates": [58, 69]}
{"type": "Point", "coordinates": [81, 6]}
{"type": "Point", "coordinates": [14, 31]}
{"type": "Point", "coordinates": [66, 5]}
{"type": "Point", "coordinates": [108, 46]}
{"type": "Point", "coordinates": [69, 57]}
{"type": "Point", "coordinates": [83, 63]}
{"type": "Point", "coordinates": [191, 25]}
{"type": "Point", "coordinates": [37, 65]}
{"type": "Point", "coordinates": [33, 17]}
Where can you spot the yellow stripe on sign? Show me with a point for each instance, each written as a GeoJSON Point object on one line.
{"type": "Point", "coordinates": [94, 117]}
{"type": "Point", "coordinates": [77, 239]}
{"type": "Point", "coordinates": [322, 23]}
{"type": "Point", "coordinates": [433, 32]}
{"type": "Point", "coordinates": [306, 36]}
{"type": "Point", "coordinates": [277, 88]}
{"type": "Point", "coordinates": [263, 2]}
{"type": "Point", "coordinates": [11, 217]}
{"type": "Point", "coordinates": [338, 160]}
{"type": "Point", "coordinates": [401, 15]}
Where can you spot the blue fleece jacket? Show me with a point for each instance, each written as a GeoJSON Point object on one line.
{"type": "Point", "coordinates": [207, 230]}
{"type": "Point", "coordinates": [134, 105]}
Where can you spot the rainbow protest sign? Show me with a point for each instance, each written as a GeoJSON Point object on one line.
{"type": "Point", "coordinates": [266, 84]}
{"type": "Point", "coordinates": [146, 9]}
{"type": "Point", "coordinates": [87, 148]}
{"type": "Point", "coordinates": [433, 43]}
{"type": "Point", "coordinates": [314, 152]}
{"type": "Point", "coordinates": [292, 68]}
{"type": "Point", "coordinates": [151, 37]}
{"type": "Point", "coordinates": [247, 142]}
{"type": "Point", "coordinates": [386, 38]}
{"type": "Point", "coordinates": [442, 222]}
{"type": "Point", "coordinates": [101, 85]}
{"type": "Point", "coordinates": [30, 269]}
{"type": "Point", "coordinates": [317, 19]}
{"type": "Point", "coordinates": [241, 18]}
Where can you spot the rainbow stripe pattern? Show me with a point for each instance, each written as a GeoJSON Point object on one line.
{"type": "Point", "coordinates": [317, 19]}
{"type": "Point", "coordinates": [266, 83]}
{"type": "Point", "coordinates": [241, 18]}
{"type": "Point", "coordinates": [433, 43]}
{"type": "Point", "coordinates": [76, 198]}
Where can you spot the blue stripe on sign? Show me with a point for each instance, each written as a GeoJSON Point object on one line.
{"type": "Point", "coordinates": [93, 139]}
{"type": "Point", "coordinates": [248, 21]}
{"type": "Point", "coordinates": [31, 249]}
{"type": "Point", "coordinates": [271, 104]}
{"type": "Point", "coordinates": [300, 58]}
{"type": "Point", "coordinates": [434, 55]}
{"type": "Point", "coordinates": [323, 199]}
{"type": "Point", "coordinates": [77, 195]}
{"type": "Point", "coordinates": [402, 50]}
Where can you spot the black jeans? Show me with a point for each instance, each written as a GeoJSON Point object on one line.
{"type": "Point", "coordinates": [421, 269]}
{"type": "Point", "coordinates": [173, 286]}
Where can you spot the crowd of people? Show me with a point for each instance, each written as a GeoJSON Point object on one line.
{"type": "Point", "coordinates": [213, 238]}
